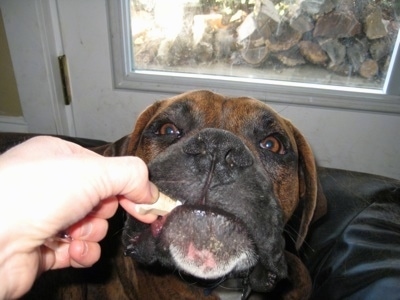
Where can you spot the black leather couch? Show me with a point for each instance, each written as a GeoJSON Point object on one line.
{"type": "Point", "coordinates": [353, 252]}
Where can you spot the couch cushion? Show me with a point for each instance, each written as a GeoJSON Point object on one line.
{"type": "Point", "coordinates": [11, 139]}
{"type": "Point", "coordinates": [354, 251]}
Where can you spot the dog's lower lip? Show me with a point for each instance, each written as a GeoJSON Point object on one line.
{"type": "Point", "coordinates": [207, 242]}
{"type": "Point", "coordinates": [157, 225]}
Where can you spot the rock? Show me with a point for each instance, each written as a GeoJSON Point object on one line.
{"type": "Point", "coordinates": [373, 25]}
{"type": "Point", "coordinates": [360, 7]}
{"type": "Point", "coordinates": [253, 47]}
{"type": "Point", "coordinates": [205, 23]}
{"type": "Point", "coordinates": [345, 5]}
{"type": "Point", "coordinates": [265, 31]}
{"type": "Point", "coordinates": [225, 44]}
{"type": "Point", "coordinates": [163, 51]}
{"type": "Point", "coordinates": [385, 65]}
{"type": "Point", "coordinates": [246, 28]}
{"type": "Point", "coordinates": [357, 52]}
{"type": "Point", "coordinates": [286, 40]}
{"type": "Point", "coordinates": [335, 50]}
{"type": "Point", "coordinates": [291, 57]}
{"type": "Point", "coordinates": [369, 68]}
{"type": "Point", "coordinates": [239, 16]}
{"type": "Point", "coordinates": [319, 7]}
{"type": "Point", "coordinates": [302, 23]}
{"type": "Point", "coordinates": [257, 38]}
{"type": "Point", "coordinates": [255, 56]}
{"type": "Point", "coordinates": [313, 52]}
{"type": "Point", "coordinates": [337, 25]}
{"type": "Point", "coordinates": [146, 53]}
{"type": "Point", "coordinates": [265, 24]}
{"type": "Point", "coordinates": [393, 28]}
{"type": "Point", "coordinates": [257, 42]}
{"type": "Point", "coordinates": [203, 52]}
{"type": "Point", "coordinates": [342, 69]}
{"type": "Point", "coordinates": [181, 51]}
{"type": "Point", "coordinates": [379, 48]}
{"type": "Point", "coordinates": [261, 20]}
{"type": "Point", "coordinates": [267, 7]}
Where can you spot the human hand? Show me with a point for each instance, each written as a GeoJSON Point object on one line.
{"type": "Point", "coordinates": [48, 185]}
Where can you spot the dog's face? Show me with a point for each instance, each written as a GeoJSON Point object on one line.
{"type": "Point", "coordinates": [240, 171]}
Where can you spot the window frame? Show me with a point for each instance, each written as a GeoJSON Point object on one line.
{"type": "Point", "coordinates": [385, 100]}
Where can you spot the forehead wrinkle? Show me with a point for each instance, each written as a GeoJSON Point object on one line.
{"type": "Point", "coordinates": [214, 109]}
{"type": "Point", "coordinates": [240, 113]}
{"type": "Point", "coordinates": [208, 108]}
{"type": "Point", "coordinates": [178, 108]}
{"type": "Point", "coordinates": [204, 111]}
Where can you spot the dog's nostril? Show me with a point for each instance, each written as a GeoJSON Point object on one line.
{"type": "Point", "coordinates": [195, 147]}
{"type": "Point", "coordinates": [223, 147]}
{"type": "Point", "coordinates": [229, 159]}
{"type": "Point", "coordinates": [239, 158]}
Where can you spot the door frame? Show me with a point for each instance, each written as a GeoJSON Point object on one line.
{"type": "Point", "coordinates": [34, 39]}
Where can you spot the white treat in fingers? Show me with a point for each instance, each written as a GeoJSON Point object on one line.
{"type": "Point", "coordinates": [161, 207]}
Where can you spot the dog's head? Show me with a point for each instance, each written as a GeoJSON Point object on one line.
{"type": "Point", "coordinates": [240, 170]}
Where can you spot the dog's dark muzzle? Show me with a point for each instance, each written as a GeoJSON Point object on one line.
{"type": "Point", "coordinates": [230, 219]}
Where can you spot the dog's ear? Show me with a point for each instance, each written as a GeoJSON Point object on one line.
{"type": "Point", "coordinates": [312, 200]}
{"type": "Point", "coordinates": [128, 144]}
{"type": "Point", "coordinates": [117, 148]}
{"type": "Point", "coordinates": [144, 118]}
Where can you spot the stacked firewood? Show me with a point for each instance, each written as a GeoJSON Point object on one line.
{"type": "Point", "coordinates": [344, 36]}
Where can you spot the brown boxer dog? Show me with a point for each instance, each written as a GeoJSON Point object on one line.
{"type": "Point", "coordinates": [247, 180]}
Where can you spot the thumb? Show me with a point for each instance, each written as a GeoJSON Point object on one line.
{"type": "Point", "coordinates": [134, 186]}
{"type": "Point", "coordinates": [128, 176]}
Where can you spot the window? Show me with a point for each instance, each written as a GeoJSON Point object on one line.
{"type": "Point", "coordinates": [330, 53]}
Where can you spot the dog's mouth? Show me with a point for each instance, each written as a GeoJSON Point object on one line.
{"type": "Point", "coordinates": [201, 241]}
{"type": "Point", "coordinates": [213, 242]}
{"type": "Point", "coordinates": [205, 242]}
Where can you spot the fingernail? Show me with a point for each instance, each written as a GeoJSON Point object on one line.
{"type": "Point", "coordinates": [86, 229]}
{"type": "Point", "coordinates": [85, 248]}
{"type": "Point", "coordinates": [154, 192]}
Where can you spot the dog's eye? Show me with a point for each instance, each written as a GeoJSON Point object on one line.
{"type": "Point", "coordinates": [272, 144]}
{"type": "Point", "coordinates": [169, 129]}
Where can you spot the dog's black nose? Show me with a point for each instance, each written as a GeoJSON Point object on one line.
{"type": "Point", "coordinates": [219, 147]}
